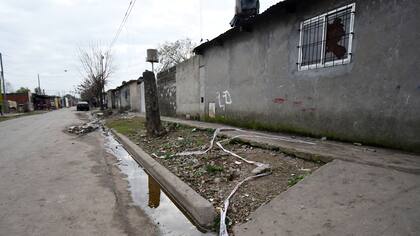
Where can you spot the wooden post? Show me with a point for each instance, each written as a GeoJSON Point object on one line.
{"type": "Point", "coordinates": [153, 123]}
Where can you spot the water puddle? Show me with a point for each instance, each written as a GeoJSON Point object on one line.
{"type": "Point", "coordinates": [146, 194]}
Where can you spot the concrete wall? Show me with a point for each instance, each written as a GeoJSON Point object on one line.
{"type": "Point", "coordinates": [135, 97]}
{"type": "Point", "coordinates": [253, 78]}
{"type": "Point", "coordinates": [188, 88]}
{"type": "Point", "coordinates": [167, 92]}
{"type": "Point", "coordinates": [142, 101]}
{"type": "Point", "coordinates": [124, 97]}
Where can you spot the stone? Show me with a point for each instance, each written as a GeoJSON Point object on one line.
{"type": "Point", "coordinates": [261, 169]}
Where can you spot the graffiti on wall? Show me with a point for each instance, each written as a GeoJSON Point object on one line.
{"type": "Point", "coordinates": [224, 99]}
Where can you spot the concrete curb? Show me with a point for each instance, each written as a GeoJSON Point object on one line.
{"type": "Point", "coordinates": [200, 211]}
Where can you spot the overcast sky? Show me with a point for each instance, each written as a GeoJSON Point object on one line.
{"type": "Point", "coordinates": [43, 36]}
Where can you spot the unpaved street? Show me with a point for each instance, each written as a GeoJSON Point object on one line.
{"type": "Point", "coordinates": [53, 183]}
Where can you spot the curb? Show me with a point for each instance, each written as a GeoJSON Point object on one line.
{"type": "Point", "coordinates": [200, 211]}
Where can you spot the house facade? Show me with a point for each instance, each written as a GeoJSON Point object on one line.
{"type": "Point", "coordinates": [342, 69]}
{"type": "Point", "coordinates": [23, 101]}
{"type": "Point", "coordinates": [127, 97]}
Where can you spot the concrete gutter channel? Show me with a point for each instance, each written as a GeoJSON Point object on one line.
{"type": "Point", "coordinates": [197, 209]}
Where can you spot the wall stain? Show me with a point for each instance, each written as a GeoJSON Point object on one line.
{"type": "Point", "coordinates": [279, 100]}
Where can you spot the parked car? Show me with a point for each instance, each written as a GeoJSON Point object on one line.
{"type": "Point", "coordinates": [83, 106]}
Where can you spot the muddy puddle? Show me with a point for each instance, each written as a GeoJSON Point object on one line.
{"type": "Point", "coordinates": [146, 194]}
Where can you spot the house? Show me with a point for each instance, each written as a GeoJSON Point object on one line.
{"type": "Point", "coordinates": [42, 102]}
{"type": "Point", "coordinates": [110, 99]}
{"type": "Point", "coordinates": [127, 97]}
{"type": "Point", "coordinates": [23, 101]}
{"type": "Point", "coordinates": [341, 69]}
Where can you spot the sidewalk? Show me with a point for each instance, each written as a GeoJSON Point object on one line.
{"type": "Point", "coordinates": [342, 198]}
{"type": "Point", "coordinates": [316, 149]}
{"type": "Point", "coordinates": [360, 191]}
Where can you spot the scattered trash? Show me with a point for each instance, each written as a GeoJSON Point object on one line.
{"type": "Point", "coordinates": [238, 162]}
{"type": "Point", "coordinates": [223, 229]}
{"type": "Point", "coordinates": [86, 127]}
{"type": "Point", "coordinates": [324, 139]}
{"type": "Point", "coordinates": [217, 180]}
{"type": "Point", "coordinates": [302, 169]}
{"type": "Point", "coordinates": [357, 144]}
{"type": "Point", "coordinates": [261, 169]}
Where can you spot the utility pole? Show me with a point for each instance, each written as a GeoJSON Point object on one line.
{"type": "Point", "coordinates": [5, 103]}
{"type": "Point", "coordinates": [39, 86]}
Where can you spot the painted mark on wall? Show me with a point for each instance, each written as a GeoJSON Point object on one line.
{"type": "Point", "coordinates": [224, 99]}
{"type": "Point", "coordinates": [407, 100]}
{"type": "Point", "coordinates": [279, 100]}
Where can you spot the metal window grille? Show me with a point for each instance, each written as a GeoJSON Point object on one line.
{"type": "Point", "coordinates": [326, 40]}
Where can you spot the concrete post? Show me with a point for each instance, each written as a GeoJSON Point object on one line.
{"type": "Point", "coordinates": [153, 123]}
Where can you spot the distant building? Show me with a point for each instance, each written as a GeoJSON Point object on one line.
{"type": "Point", "coordinates": [23, 101]}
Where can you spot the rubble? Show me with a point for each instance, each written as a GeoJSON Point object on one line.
{"type": "Point", "coordinates": [213, 172]}
{"type": "Point", "coordinates": [85, 128]}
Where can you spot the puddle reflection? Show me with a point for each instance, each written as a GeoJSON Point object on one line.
{"type": "Point", "coordinates": [146, 194]}
{"type": "Point", "coordinates": [154, 193]}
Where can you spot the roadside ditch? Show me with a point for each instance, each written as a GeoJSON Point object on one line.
{"type": "Point", "coordinates": [215, 173]}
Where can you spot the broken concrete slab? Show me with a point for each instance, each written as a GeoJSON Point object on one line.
{"type": "Point", "coordinates": [342, 198]}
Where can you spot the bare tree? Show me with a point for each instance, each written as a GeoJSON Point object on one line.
{"type": "Point", "coordinates": [172, 53]}
{"type": "Point", "coordinates": [96, 68]}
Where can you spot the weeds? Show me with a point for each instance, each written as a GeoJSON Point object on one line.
{"type": "Point", "coordinates": [214, 168]}
{"type": "Point", "coordinates": [295, 179]}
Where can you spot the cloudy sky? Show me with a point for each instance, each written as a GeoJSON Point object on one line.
{"type": "Point", "coordinates": [42, 37]}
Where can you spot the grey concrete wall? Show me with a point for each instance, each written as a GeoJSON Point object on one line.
{"type": "Point", "coordinates": [135, 97]}
{"type": "Point", "coordinates": [188, 88]}
{"type": "Point", "coordinates": [254, 80]}
{"type": "Point", "coordinates": [125, 97]}
{"type": "Point", "coordinates": [142, 101]}
{"type": "Point", "coordinates": [166, 85]}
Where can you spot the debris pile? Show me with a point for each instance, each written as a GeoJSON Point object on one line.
{"type": "Point", "coordinates": [85, 128]}
{"type": "Point", "coordinates": [228, 172]}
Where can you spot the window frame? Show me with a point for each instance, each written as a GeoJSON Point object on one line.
{"type": "Point", "coordinates": [323, 17]}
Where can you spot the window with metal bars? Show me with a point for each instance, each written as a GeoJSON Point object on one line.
{"type": "Point", "coordinates": [326, 40]}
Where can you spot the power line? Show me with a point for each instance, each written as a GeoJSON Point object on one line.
{"type": "Point", "coordinates": [124, 20]}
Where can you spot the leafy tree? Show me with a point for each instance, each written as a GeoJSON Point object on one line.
{"type": "Point", "coordinates": [172, 53]}
{"type": "Point", "coordinates": [23, 90]}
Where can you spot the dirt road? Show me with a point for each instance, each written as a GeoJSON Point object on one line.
{"type": "Point", "coordinates": [53, 183]}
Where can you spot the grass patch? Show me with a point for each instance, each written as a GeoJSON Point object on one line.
{"type": "Point", "coordinates": [127, 126]}
{"type": "Point", "coordinates": [214, 168]}
{"type": "Point", "coordinates": [295, 179]}
{"type": "Point", "coordinates": [4, 118]}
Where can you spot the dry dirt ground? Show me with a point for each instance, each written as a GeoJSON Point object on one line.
{"type": "Point", "coordinates": [216, 173]}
